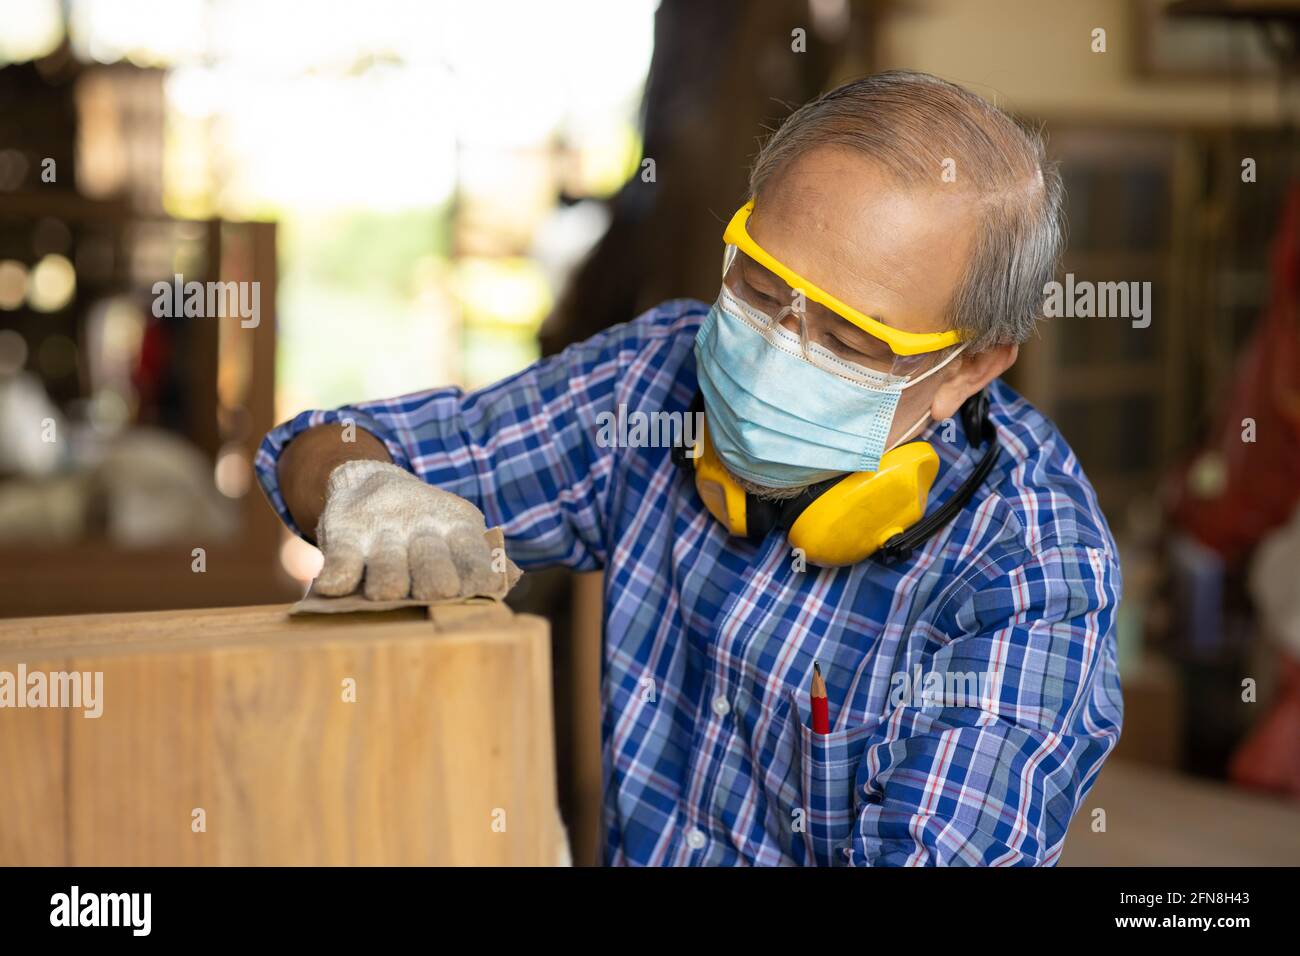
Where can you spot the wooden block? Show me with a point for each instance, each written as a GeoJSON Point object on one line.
{"type": "Point", "coordinates": [32, 795]}
{"type": "Point", "coordinates": [445, 756]}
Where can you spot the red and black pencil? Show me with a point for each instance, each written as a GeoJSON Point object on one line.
{"type": "Point", "coordinates": [821, 718]}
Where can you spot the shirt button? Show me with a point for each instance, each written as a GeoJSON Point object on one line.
{"type": "Point", "coordinates": [695, 838]}
{"type": "Point", "coordinates": [720, 706]}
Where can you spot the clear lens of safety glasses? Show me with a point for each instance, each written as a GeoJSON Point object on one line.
{"type": "Point", "coordinates": [829, 341]}
{"type": "Point", "coordinates": [728, 257]}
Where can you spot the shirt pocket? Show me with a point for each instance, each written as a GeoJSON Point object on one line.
{"type": "Point", "coordinates": [828, 767]}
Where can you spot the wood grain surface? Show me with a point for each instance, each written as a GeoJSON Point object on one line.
{"type": "Point", "coordinates": [445, 757]}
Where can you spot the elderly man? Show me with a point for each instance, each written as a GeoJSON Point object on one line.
{"type": "Point", "coordinates": [866, 496]}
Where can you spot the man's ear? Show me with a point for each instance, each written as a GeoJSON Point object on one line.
{"type": "Point", "coordinates": [972, 373]}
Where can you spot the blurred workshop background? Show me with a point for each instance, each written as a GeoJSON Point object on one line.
{"type": "Point", "coordinates": [433, 193]}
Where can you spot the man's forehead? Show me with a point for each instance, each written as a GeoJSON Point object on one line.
{"type": "Point", "coordinates": [825, 250]}
{"type": "Point", "coordinates": [892, 252]}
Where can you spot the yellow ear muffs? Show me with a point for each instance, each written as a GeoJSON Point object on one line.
{"type": "Point", "coordinates": [722, 496]}
{"type": "Point", "coordinates": [847, 522]}
{"type": "Point", "coordinates": [854, 518]}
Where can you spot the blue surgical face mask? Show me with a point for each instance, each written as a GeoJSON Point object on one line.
{"type": "Point", "coordinates": [777, 419]}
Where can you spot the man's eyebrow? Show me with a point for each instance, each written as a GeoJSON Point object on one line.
{"type": "Point", "coordinates": [858, 330]}
{"type": "Point", "coordinates": [875, 315]}
{"type": "Point", "coordinates": [752, 268]}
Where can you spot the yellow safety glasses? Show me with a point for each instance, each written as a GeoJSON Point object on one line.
{"type": "Point", "coordinates": [785, 288]}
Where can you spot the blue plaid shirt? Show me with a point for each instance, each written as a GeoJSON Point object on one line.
{"type": "Point", "coordinates": [973, 688]}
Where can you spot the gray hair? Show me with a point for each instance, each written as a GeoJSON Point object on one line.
{"type": "Point", "coordinates": [911, 124]}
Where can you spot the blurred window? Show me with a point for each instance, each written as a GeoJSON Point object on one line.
{"type": "Point", "coordinates": [417, 156]}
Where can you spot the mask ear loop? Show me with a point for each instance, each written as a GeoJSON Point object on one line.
{"type": "Point", "coordinates": [926, 414]}
{"type": "Point", "coordinates": [921, 378]}
{"type": "Point", "coordinates": [907, 434]}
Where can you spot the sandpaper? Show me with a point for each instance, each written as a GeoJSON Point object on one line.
{"type": "Point", "coordinates": [314, 603]}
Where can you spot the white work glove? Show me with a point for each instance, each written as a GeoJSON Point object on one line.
{"type": "Point", "coordinates": [407, 537]}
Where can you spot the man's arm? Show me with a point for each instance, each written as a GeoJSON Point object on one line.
{"type": "Point", "coordinates": [997, 781]}
{"type": "Point", "coordinates": [306, 463]}
{"type": "Point", "coordinates": [525, 451]}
